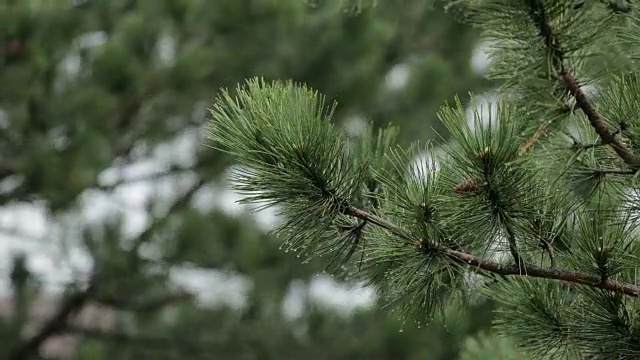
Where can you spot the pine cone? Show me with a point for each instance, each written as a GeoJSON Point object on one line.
{"type": "Point", "coordinates": [466, 186]}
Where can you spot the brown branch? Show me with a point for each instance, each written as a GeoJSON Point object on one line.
{"type": "Point", "coordinates": [538, 15]}
{"type": "Point", "coordinates": [528, 144]}
{"type": "Point", "coordinates": [477, 262]}
{"type": "Point", "coordinates": [596, 120]}
{"type": "Point", "coordinates": [565, 275]}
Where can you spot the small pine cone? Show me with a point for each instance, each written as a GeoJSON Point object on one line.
{"type": "Point", "coordinates": [466, 186]}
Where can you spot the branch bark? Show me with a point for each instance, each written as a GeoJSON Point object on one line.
{"type": "Point", "coordinates": [538, 15]}
{"type": "Point", "coordinates": [532, 270]}
{"type": "Point", "coordinates": [596, 120]}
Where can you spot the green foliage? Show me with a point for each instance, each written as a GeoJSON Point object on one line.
{"type": "Point", "coordinates": [310, 178]}
{"type": "Point", "coordinates": [533, 197]}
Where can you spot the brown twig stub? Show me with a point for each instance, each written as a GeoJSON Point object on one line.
{"type": "Point", "coordinates": [528, 144]}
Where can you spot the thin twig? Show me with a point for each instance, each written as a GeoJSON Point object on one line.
{"type": "Point", "coordinates": [513, 248]}
{"type": "Point", "coordinates": [616, 171]}
{"type": "Point", "coordinates": [528, 144]}
{"type": "Point", "coordinates": [538, 15]}
{"type": "Point", "coordinates": [477, 262]}
{"type": "Point", "coordinates": [546, 246]}
{"type": "Point", "coordinates": [596, 120]}
{"type": "Point", "coordinates": [146, 177]}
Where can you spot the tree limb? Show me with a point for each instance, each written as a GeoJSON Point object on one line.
{"type": "Point", "coordinates": [538, 15]}
{"type": "Point", "coordinates": [596, 120]}
{"type": "Point", "coordinates": [477, 262]}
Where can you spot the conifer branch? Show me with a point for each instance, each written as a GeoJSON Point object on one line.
{"type": "Point", "coordinates": [538, 16]}
{"type": "Point", "coordinates": [596, 120]}
{"type": "Point", "coordinates": [532, 270]}
{"type": "Point", "coordinates": [154, 176]}
{"type": "Point", "coordinates": [528, 144]}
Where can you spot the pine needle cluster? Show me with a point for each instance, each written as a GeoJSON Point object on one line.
{"type": "Point", "coordinates": [540, 199]}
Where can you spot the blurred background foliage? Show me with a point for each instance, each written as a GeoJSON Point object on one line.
{"type": "Point", "coordinates": [102, 106]}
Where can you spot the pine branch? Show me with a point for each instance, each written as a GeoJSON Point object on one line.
{"type": "Point", "coordinates": [537, 14]}
{"type": "Point", "coordinates": [528, 144]}
{"type": "Point", "coordinates": [596, 120]}
{"type": "Point", "coordinates": [531, 270]}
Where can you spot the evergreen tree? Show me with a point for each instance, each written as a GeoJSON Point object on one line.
{"type": "Point", "coordinates": [90, 89]}
{"type": "Point", "coordinates": [533, 205]}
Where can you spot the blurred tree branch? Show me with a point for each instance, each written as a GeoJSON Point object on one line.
{"type": "Point", "coordinates": [75, 302]}
{"type": "Point", "coordinates": [153, 341]}
{"type": "Point", "coordinates": [143, 305]}
{"type": "Point", "coordinates": [57, 323]}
